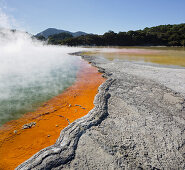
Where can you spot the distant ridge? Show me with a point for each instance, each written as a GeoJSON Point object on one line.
{"type": "Point", "coordinates": [51, 31]}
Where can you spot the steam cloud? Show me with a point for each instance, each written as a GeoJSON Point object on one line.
{"type": "Point", "coordinates": [30, 72]}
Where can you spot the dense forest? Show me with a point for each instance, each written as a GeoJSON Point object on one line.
{"type": "Point", "coordinates": [163, 35]}
{"type": "Point", "coordinates": [58, 38]}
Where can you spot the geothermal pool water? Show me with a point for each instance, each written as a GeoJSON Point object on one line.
{"type": "Point", "coordinates": [21, 93]}
{"type": "Point", "coordinates": [31, 73]}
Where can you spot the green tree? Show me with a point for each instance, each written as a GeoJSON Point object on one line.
{"type": "Point", "coordinates": [41, 38]}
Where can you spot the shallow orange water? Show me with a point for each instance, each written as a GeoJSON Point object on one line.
{"type": "Point", "coordinates": [17, 144]}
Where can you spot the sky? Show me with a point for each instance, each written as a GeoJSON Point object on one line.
{"type": "Point", "coordinates": [92, 16]}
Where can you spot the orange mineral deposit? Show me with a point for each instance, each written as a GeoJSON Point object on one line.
{"type": "Point", "coordinates": [22, 138]}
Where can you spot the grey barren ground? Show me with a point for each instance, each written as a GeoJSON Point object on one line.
{"type": "Point", "coordinates": [138, 123]}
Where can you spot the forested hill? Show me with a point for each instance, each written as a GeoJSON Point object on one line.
{"type": "Point", "coordinates": [163, 35]}
{"type": "Point", "coordinates": [52, 31]}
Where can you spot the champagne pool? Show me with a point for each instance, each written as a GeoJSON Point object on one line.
{"type": "Point", "coordinates": [32, 73]}
{"type": "Point", "coordinates": [21, 93]}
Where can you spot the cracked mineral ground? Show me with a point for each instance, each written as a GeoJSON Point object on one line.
{"type": "Point", "coordinates": [138, 122]}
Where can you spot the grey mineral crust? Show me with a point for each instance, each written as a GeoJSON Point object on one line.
{"type": "Point", "coordinates": [138, 123]}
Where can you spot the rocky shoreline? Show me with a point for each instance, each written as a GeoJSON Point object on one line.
{"type": "Point", "coordinates": [137, 123]}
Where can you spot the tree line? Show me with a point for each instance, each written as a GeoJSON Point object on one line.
{"type": "Point", "coordinates": [162, 35]}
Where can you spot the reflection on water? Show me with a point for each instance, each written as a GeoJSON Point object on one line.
{"type": "Point", "coordinates": [159, 55]}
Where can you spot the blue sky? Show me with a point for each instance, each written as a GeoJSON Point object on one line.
{"type": "Point", "coordinates": [94, 16]}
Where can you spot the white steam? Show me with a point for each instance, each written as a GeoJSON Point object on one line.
{"type": "Point", "coordinates": [30, 72]}
{"type": "Point", "coordinates": [4, 20]}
